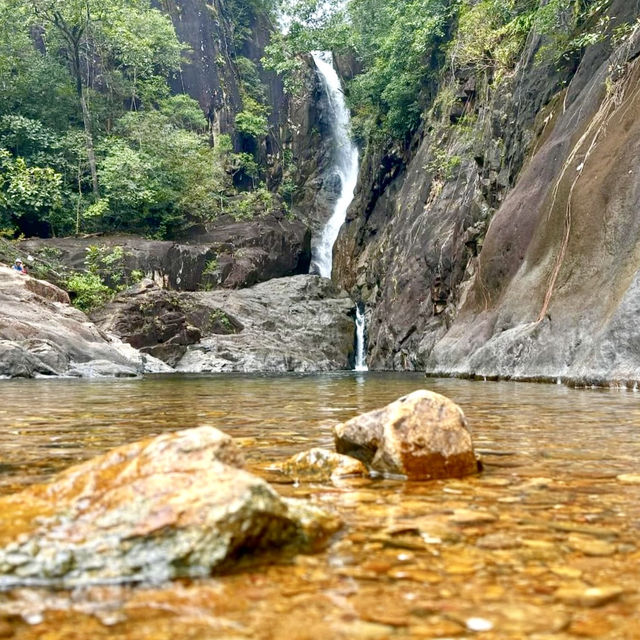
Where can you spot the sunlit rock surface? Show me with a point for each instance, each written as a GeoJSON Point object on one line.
{"type": "Point", "coordinates": [302, 323]}
{"type": "Point", "coordinates": [423, 436]}
{"type": "Point", "coordinates": [42, 334]}
{"type": "Point", "coordinates": [175, 505]}
{"type": "Point", "coordinates": [321, 465]}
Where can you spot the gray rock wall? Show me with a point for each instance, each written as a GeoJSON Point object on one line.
{"type": "Point", "coordinates": [555, 292]}
{"type": "Point", "coordinates": [452, 240]}
{"type": "Point", "coordinates": [225, 254]}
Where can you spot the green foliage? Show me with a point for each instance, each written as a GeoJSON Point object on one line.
{"type": "Point", "coordinates": [281, 58]}
{"type": "Point", "coordinates": [491, 34]}
{"type": "Point", "coordinates": [87, 291]}
{"type": "Point", "coordinates": [27, 194]}
{"type": "Point", "coordinates": [92, 139]}
{"type": "Point", "coordinates": [406, 47]}
{"type": "Point", "coordinates": [402, 47]}
{"type": "Point", "coordinates": [247, 205]}
{"type": "Point", "coordinates": [398, 43]}
{"type": "Point", "coordinates": [245, 164]}
{"type": "Point", "coordinates": [250, 79]}
{"type": "Point", "coordinates": [105, 275]}
{"type": "Point", "coordinates": [252, 120]}
{"type": "Point", "coordinates": [443, 165]}
{"type": "Point", "coordinates": [211, 267]}
{"type": "Point", "coordinates": [157, 176]}
{"type": "Point", "coordinates": [571, 25]}
{"type": "Point", "coordinates": [184, 112]}
{"type": "Point", "coordinates": [244, 13]}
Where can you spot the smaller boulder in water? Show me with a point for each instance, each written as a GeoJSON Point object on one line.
{"type": "Point", "coordinates": [423, 436]}
{"type": "Point", "coordinates": [321, 465]}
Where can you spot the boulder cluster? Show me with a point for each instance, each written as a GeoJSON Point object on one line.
{"type": "Point", "coordinates": [181, 504]}
{"type": "Point", "coordinates": [421, 436]}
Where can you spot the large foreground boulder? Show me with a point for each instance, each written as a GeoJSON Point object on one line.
{"type": "Point", "coordinates": [42, 334]}
{"type": "Point", "coordinates": [423, 436]}
{"type": "Point", "coordinates": [171, 506]}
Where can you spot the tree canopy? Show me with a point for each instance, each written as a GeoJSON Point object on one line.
{"type": "Point", "coordinates": [91, 138]}
{"type": "Point", "coordinates": [403, 49]}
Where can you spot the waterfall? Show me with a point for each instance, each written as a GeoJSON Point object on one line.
{"type": "Point", "coordinates": [345, 164]}
{"type": "Point", "coordinates": [361, 354]}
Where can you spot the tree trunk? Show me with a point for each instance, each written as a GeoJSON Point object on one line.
{"type": "Point", "coordinates": [91, 155]}
{"type": "Point", "coordinates": [86, 119]}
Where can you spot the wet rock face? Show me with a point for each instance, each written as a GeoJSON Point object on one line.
{"type": "Point", "coordinates": [227, 254]}
{"type": "Point", "coordinates": [176, 505]}
{"type": "Point", "coordinates": [423, 436]}
{"type": "Point", "coordinates": [41, 334]}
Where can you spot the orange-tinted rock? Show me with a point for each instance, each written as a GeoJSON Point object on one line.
{"type": "Point", "coordinates": [423, 436]}
{"type": "Point", "coordinates": [171, 506]}
{"type": "Point", "coordinates": [321, 465]}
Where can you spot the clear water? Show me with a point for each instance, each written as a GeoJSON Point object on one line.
{"type": "Point", "coordinates": [515, 551]}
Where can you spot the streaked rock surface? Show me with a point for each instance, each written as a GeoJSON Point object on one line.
{"type": "Point", "coordinates": [171, 506]}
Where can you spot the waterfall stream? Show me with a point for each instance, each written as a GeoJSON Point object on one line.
{"type": "Point", "coordinates": [346, 164]}
{"type": "Point", "coordinates": [361, 354]}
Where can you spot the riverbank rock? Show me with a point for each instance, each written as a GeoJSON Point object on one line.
{"type": "Point", "coordinates": [42, 334]}
{"type": "Point", "coordinates": [171, 506]}
{"type": "Point", "coordinates": [303, 323]}
{"type": "Point", "coordinates": [321, 465]}
{"type": "Point", "coordinates": [156, 321]}
{"type": "Point", "coordinates": [226, 254]}
{"type": "Point", "coordinates": [423, 436]}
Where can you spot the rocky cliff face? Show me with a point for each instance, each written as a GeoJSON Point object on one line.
{"type": "Point", "coordinates": [295, 145]}
{"type": "Point", "coordinates": [508, 246]}
{"type": "Point", "coordinates": [209, 75]}
{"type": "Point", "coordinates": [226, 254]}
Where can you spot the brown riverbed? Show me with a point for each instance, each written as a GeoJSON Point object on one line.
{"type": "Point", "coordinates": [544, 544]}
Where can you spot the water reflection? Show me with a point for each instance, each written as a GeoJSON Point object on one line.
{"type": "Point", "coordinates": [543, 544]}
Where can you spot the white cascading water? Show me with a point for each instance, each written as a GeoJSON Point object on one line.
{"type": "Point", "coordinates": [361, 356]}
{"type": "Point", "coordinates": [346, 167]}
{"type": "Point", "coordinates": [346, 164]}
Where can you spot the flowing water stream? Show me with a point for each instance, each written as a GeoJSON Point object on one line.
{"type": "Point", "coordinates": [361, 347]}
{"type": "Point", "coordinates": [345, 165]}
{"type": "Point", "coordinates": [542, 545]}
